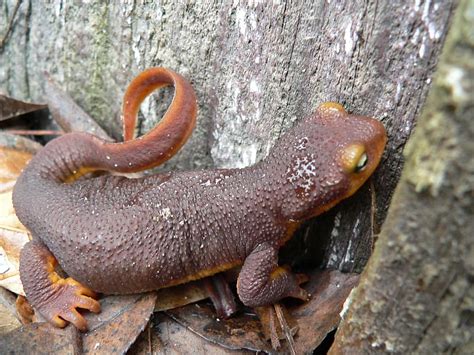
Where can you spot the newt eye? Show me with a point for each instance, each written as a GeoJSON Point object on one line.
{"type": "Point", "coordinates": [362, 163]}
{"type": "Point", "coordinates": [354, 158]}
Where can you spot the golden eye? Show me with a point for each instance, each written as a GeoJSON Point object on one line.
{"type": "Point", "coordinates": [362, 163]}
{"type": "Point", "coordinates": [354, 158]}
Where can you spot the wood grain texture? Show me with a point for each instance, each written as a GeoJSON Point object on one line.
{"type": "Point", "coordinates": [416, 295]}
{"type": "Point", "coordinates": [257, 68]}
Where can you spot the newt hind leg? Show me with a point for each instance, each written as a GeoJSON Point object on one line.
{"type": "Point", "coordinates": [262, 282]}
{"type": "Point", "coordinates": [55, 298]}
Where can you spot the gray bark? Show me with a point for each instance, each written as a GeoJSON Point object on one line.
{"type": "Point", "coordinates": [416, 295]}
{"type": "Point", "coordinates": [257, 67]}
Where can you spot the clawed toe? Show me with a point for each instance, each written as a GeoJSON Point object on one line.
{"type": "Point", "coordinates": [68, 296]}
{"type": "Point", "coordinates": [74, 317]}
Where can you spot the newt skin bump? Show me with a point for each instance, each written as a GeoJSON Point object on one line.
{"type": "Point", "coordinates": [116, 235]}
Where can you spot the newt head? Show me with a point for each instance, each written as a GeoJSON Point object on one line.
{"type": "Point", "coordinates": [329, 157]}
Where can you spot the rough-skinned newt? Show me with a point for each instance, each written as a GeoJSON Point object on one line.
{"type": "Point", "coordinates": [117, 235]}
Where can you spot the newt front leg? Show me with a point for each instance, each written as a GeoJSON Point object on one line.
{"type": "Point", "coordinates": [262, 282]}
{"type": "Point", "coordinates": [55, 298]}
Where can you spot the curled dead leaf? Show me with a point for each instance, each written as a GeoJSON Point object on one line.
{"type": "Point", "coordinates": [10, 107]}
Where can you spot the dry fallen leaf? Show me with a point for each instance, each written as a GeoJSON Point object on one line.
{"type": "Point", "coordinates": [222, 297]}
{"type": "Point", "coordinates": [114, 330]}
{"type": "Point", "coordinates": [12, 108]}
{"type": "Point", "coordinates": [15, 153]}
{"type": "Point", "coordinates": [11, 242]}
{"type": "Point", "coordinates": [240, 332]}
{"type": "Point", "coordinates": [181, 295]}
{"type": "Point", "coordinates": [9, 320]}
{"type": "Point", "coordinates": [12, 233]}
{"type": "Point", "coordinates": [12, 162]}
{"type": "Point", "coordinates": [321, 315]}
{"type": "Point", "coordinates": [39, 338]}
{"type": "Point", "coordinates": [8, 218]}
{"type": "Point", "coordinates": [120, 322]}
{"type": "Point", "coordinates": [166, 336]}
{"type": "Point", "coordinates": [314, 319]}
{"type": "Point", "coordinates": [25, 312]}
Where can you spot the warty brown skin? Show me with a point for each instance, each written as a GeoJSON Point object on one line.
{"type": "Point", "coordinates": [118, 235]}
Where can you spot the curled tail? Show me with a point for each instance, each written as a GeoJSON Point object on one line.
{"type": "Point", "coordinates": [67, 158]}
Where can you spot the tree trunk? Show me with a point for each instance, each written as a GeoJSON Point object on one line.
{"type": "Point", "coordinates": [416, 295]}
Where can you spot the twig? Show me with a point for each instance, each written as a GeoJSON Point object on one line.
{"type": "Point", "coordinates": [273, 331]}
{"type": "Point", "coordinates": [285, 328]}
{"type": "Point", "coordinates": [27, 132]}
{"type": "Point", "coordinates": [10, 24]}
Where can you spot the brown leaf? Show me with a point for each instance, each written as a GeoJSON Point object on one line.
{"type": "Point", "coordinates": [122, 319]}
{"type": "Point", "coordinates": [12, 108]}
{"type": "Point", "coordinates": [215, 287]}
{"type": "Point", "coordinates": [25, 311]}
{"type": "Point", "coordinates": [8, 218]}
{"type": "Point", "coordinates": [314, 319]}
{"type": "Point", "coordinates": [181, 295]}
{"type": "Point", "coordinates": [12, 163]}
{"type": "Point", "coordinates": [38, 338]}
{"type": "Point", "coordinates": [8, 321]}
{"type": "Point", "coordinates": [277, 324]}
{"type": "Point", "coordinates": [12, 233]}
{"type": "Point", "coordinates": [8, 318]}
{"type": "Point", "coordinates": [166, 336]}
{"type": "Point", "coordinates": [15, 153]}
{"type": "Point", "coordinates": [236, 333]}
{"type": "Point", "coordinates": [120, 322]}
{"type": "Point", "coordinates": [321, 315]}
